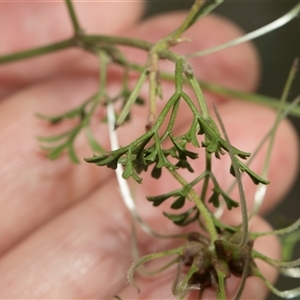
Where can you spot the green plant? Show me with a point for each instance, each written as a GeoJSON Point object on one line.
{"type": "Point", "coordinates": [217, 250]}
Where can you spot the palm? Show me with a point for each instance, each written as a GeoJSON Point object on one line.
{"type": "Point", "coordinates": [64, 229]}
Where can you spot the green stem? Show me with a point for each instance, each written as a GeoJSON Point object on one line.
{"type": "Point", "coordinates": [224, 91]}
{"type": "Point", "coordinates": [207, 177]}
{"type": "Point", "coordinates": [201, 100]}
{"type": "Point", "coordinates": [132, 98]}
{"type": "Point", "coordinates": [75, 23]}
{"type": "Point", "coordinates": [153, 87]}
{"type": "Point", "coordinates": [221, 295]}
{"type": "Point", "coordinates": [37, 51]}
{"type": "Point", "coordinates": [205, 213]}
{"type": "Point", "coordinates": [119, 40]}
{"type": "Point", "coordinates": [187, 21]}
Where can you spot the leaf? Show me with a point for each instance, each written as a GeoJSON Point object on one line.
{"type": "Point", "coordinates": [191, 135]}
{"type": "Point", "coordinates": [182, 150]}
{"type": "Point", "coordinates": [211, 146]}
{"type": "Point", "coordinates": [92, 141]}
{"type": "Point", "coordinates": [54, 138]}
{"type": "Point", "coordinates": [185, 218]}
{"type": "Point", "coordinates": [158, 200]}
{"type": "Point", "coordinates": [229, 202]}
{"type": "Point", "coordinates": [214, 199]}
{"type": "Point", "coordinates": [129, 170]}
{"type": "Point", "coordinates": [72, 154]}
{"type": "Point", "coordinates": [140, 150]}
{"type": "Point", "coordinates": [140, 101]}
{"type": "Point", "coordinates": [178, 203]}
{"type": "Point", "coordinates": [184, 164]}
{"type": "Point", "coordinates": [156, 172]}
{"type": "Point", "coordinates": [55, 152]}
{"type": "Point", "coordinates": [78, 111]}
{"type": "Point", "coordinates": [254, 177]}
{"type": "Point", "coordinates": [110, 159]}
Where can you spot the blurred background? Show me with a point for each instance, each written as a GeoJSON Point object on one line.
{"type": "Point", "coordinates": [278, 50]}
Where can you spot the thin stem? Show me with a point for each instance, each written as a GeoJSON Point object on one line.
{"type": "Point", "coordinates": [187, 21]}
{"type": "Point", "coordinates": [119, 40]}
{"type": "Point", "coordinates": [36, 51]}
{"type": "Point", "coordinates": [224, 91]}
{"type": "Point", "coordinates": [153, 87]}
{"type": "Point", "coordinates": [132, 98]}
{"type": "Point", "coordinates": [202, 208]}
{"type": "Point", "coordinates": [261, 189]}
{"type": "Point", "coordinates": [207, 177]}
{"type": "Point", "coordinates": [221, 295]}
{"type": "Point", "coordinates": [75, 23]}
{"type": "Point", "coordinates": [197, 89]}
{"type": "Point", "coordinates": [254, 34]}
{"type": "Point", "coordinates": [244, 240]}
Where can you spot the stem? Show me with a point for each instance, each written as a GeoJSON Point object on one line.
{"type": "Point", "coordinates": [207, 176]}
{"type": "Point", "coordinates": [187, 22]}
{"type": "Point", "coordinates": [221, 280]}
{"type": "Point", "coordinates": [224, 91]}
{"type": "Point", "coordinates": [37, 51]}
{"type": "Point", "coordinates": [197, 89]}
{"type": "Point", "coordinates": [120, 40]}
{"type": "Point", "coordinates": [153, 86]}
{"type": "Point", "coordinates": [244, 240]}
{"type": "Point", "coordinates": [210, 226]}
{"type": "Point", "coordinates": [132, 98]}
{"type": "Point", "coordinates": [75, 23]}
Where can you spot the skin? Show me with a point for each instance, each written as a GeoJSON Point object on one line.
{"type": "Point", "coordinates": [65, 232]}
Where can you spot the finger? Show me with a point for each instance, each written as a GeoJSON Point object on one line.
{"type": "Point", "coordinates": [84, 253]}
{"type": "Point", "coordinates": [247, 125]}
{"type": "Point", "coordinates": [43, 199]}
{"type": "Point", "coordinates": [48, 198]}
{"type": "Point", "coordinates": [26, 25]}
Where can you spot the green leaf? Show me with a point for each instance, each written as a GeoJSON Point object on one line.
{"type": "Point", "coordinates": [129, 170]}
{"type": "Point", "coordinates": [78, 111]}
{"type": "Point", "coordinates": [181, 149]}
{"type": "Point", "coordinates": [214, 198]}
{"type": "Point", "coordinates": [92, 141]}
{"type": "Point", "coordinates": [158, 200]}
{"type": "Point", "coordinates": [72, 154]}
{"type": "Point", "coordinates": [254, 177]}
{"type": "Point", "coordinates": [184, 164]}
{"type": "Point", "coordinates": [156, 172]}
{"type": "Point", "coordinates": [229, 202]}
{"type": "Point", "coordinates": [211, 146]}
{"type": "Point", "coordinates": [55, 152]}
{"type": "Point", "coordinates": [191, 135]}
{"type": "Point", "coordinates": [54, 138]}
{"type": "Point", "coordinates": [110, 159]}
{"type": "Point", "coordinates": [178, 203]}
{"type": "Point", "coordinates": [50, 119]}
{"type": "Point", "coordinates": [185, 218]}
{"type": "Point", "coordinates": [139, 101]}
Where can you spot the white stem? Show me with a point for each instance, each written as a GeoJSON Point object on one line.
{"type": "Point", "coordinates": [123, 185]}
{"type": "Point", "coordinates": [254, 34]}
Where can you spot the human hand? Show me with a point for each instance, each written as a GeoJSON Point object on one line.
{"type": "Point", "coordinates": [65, 232]}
